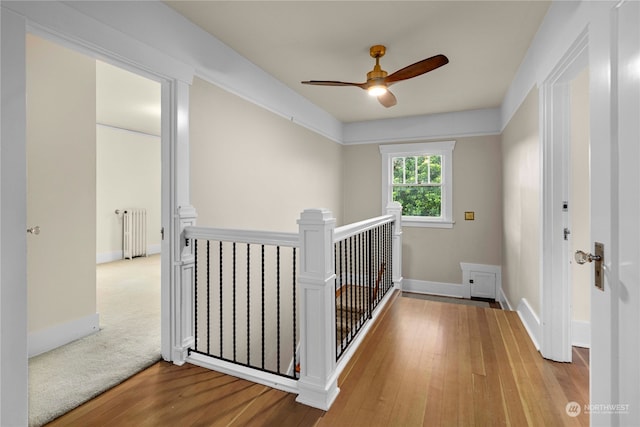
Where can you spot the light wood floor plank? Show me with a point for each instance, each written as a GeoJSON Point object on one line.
{"type": "Point", "coordinates": [424, 363]}
{"type": "Point", "coordinates": [410, 403]}
{"type": "Point", "coordinates": [492, 383]}
{"type": "Point", "coordinates": [511, 397]}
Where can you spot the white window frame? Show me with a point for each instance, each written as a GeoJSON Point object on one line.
{"type": "Point", "coordinates": [441, 148]}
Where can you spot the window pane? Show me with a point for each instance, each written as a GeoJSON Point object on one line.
{"type": "Point", "coordinates": [398, 170]}
{"type": "Point", "coordinates": [435, 169]}
{"type": "Point", "coordinates": [419, 201]}
{"type": "Point", "coordinates": [410, 170]}
{"type": "Point", "coordinates": [423, 170]}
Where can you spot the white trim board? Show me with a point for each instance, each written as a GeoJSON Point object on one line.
{"type": "Point", "coordinates": [55, 336]}
{"type": "Point", "coordinates": [530, 321]}
{"type": "Point", "coordinates": [419, 128]}
{"type": "Point", "coordinates": [529, 318]}
{"type": "Point", "coordinates": [555, 286]}
{"type": "Point", "coordinates": [581, 333]}
{"type": "Point", "coordinates": [504, 301]}
{"type": "Point", "coordinates": [104, 257]}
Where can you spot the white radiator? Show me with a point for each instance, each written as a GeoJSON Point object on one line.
{"type": "Point", "coordinates": [134, 236]}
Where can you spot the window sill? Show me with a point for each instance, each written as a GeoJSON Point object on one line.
{"type": "Point", "coordinates": [414, 222]}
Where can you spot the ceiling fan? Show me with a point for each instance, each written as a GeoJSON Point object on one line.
{"type": "Point", "coordinates": [378, 80]}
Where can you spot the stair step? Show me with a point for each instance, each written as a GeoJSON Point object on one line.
{"type": "Point", "coordinates": [345, 320]}
{"type": "Point", "coordinates": [349, 308]}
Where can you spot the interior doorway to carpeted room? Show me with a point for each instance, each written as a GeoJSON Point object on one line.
{"type": "Point", "coordinates": [93, 151]}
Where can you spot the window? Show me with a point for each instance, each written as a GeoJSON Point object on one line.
{"type": "Point", "coordinates": [420, 177]}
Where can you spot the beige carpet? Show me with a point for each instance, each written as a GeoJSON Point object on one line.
{"type": "Point", "coordinates": [449, 300]}
{"type": "Point", "coordinates": [128, 301]}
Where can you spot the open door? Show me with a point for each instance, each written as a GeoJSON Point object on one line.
{"type": "Point", "coordinates": [615, 367]}
{"type": "Point", "coordinates": [61, 195]}
{"type": "Point", "coordinates": [557, 209]}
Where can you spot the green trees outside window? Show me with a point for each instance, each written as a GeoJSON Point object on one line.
{"type": "Point", "coordinates": [417, 185]}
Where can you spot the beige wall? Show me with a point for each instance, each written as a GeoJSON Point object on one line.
{"type": "Point", "coordinates": [253, 169]}
{"type": "Point", "coordinates": [580, 207]}
{"type": "Point", "coordinates": [432, 254]}
{"type": "Point", "coordinates": [128, 174]}
{"type": "Point", "coordinates": [362, 181]}
{"type": "Point", "coordinates": [61, 193]}
{"type": "Point", "coordinates": [521, 205]}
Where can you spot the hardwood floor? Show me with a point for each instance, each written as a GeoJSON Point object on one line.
{"type": "Point", "coordinates": [424, 363]}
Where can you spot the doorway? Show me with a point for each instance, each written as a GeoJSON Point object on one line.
{"type": "Point", "coordinates": [578, 209]}
{"type": "Point", "coordinates": [557, 214]}
{"type": "Point", "coordinates": [73, 159]}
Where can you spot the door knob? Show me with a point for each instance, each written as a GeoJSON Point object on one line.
{"type": "Point", "coordinates": [583, 257]}
{"type": "Point", "coordinates": [34, 230]}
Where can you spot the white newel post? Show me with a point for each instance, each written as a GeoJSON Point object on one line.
{"type": "Point", "coordinates": [183, 337]}
{"type": "Point", "coordinates": [318, 383]}
{"type": "Point", "coordinates": [395, 209]}
{"type": "Point", "coordinates": [183, 259]}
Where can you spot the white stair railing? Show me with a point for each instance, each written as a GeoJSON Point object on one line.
{"type": "Point", "coordinates": [315, 293]}
{"type": "Point", "coordinates": [319, 371]}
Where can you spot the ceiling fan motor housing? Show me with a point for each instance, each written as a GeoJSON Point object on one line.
{"type": "Point", "coordinates": [377, 75]}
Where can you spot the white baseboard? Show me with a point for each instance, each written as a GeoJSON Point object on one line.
{"type": "Point", "coordinates": [504, 301]}
{"type": "Point", "coordinates": [455, 290]}
{"type": "Point", "coordinates": [530, 321]}
{"type": "Point", "coordinates": [104, 257]}
{"type": "Point", "coordinates": [581, 333]}
{"type": "Point", "coordinates": [265, 378]}
{"type": "Point", "coordinates": [58, 335]}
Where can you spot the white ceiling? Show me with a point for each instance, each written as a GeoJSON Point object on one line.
{"type": "Point", "coordinates": [127, 100]}
{"type": "Point", "coordinates": [485, 42]}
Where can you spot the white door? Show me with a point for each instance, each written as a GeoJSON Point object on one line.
{"type": "Point", "coordinates": [624, 254]}
{"type": "Point", "coordinates": [61, 194]}
{"type": "Point", "coordinates": [483, 285]}
{"type": "Point", "coordinates": [615, 213]}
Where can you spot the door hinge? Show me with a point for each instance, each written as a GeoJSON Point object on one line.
{"type": "Point", "coordinates": [162, 233]}
{"type": "Point", "coordinates": [566, 233]}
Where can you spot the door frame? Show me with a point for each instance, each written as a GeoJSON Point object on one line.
{"type": "Point", "coordinates": [555, 272]}
{"type": "Point", "coordinates": [168, 167]}
{"type": "Point", "coordinates": [65, 25]}
{"type": "Point", "coordinates": [167, 192]}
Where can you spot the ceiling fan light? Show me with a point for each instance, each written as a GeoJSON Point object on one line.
{"type": "Point", "coordinates": [377, 90]}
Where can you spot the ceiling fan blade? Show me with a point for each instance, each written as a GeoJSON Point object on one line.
{"type": "Point", "coordinates": [417, 69]}
{"type": "Point", "coordinates": [387, 99]}
{"type": "Point", "coordinates": [333, 83]}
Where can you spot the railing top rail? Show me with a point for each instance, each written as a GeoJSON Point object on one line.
{"type": "Point", "coordinates": [341, 233]}
{"type": "Point", "coordinates": [243, 236]}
